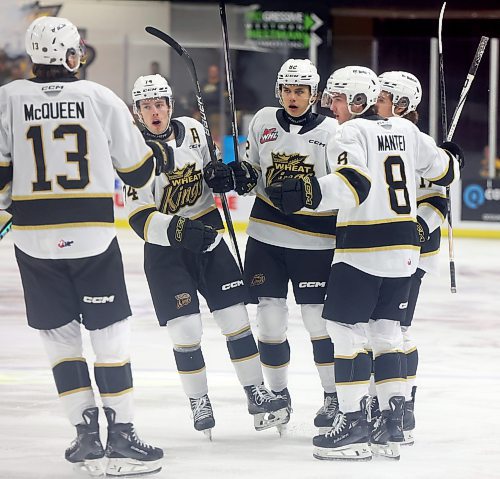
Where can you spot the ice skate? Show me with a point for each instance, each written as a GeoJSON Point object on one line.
{"type": "Point", "coordinates": [86, 451]}
{"type": "Point", "coordinates": [347, 440]}
{"type": "Point", "coordinates": [268, 410]}
{"type": "Point", "coordinates": [326, 414]}
{"type": "Point", "coordinates": [372, 411]}
{"type": "Point", "coordinates": [203, 415]}
{"type": "Point", "coordinates": [387, 434]}
{"type": "Point", "coordinates": [409, 419]}
{"type": "Point", "coordinates": [127, 454]}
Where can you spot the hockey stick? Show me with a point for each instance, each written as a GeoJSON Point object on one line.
{"type": "Point", "coordinates": [5, 228]}
{"type": "Point", "coordinates": [444, 130]}
{"type": "Point", "coordinates": [229, 79]}
{"type": "Point", "coordinates": [201, 106]}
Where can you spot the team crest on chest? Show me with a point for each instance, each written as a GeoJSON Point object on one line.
{"type": "Point", "coordinates": [288, 166]}
{"type": "Point", "coordinates": [184, 188]}
{"type": "Point", "coordinates": [269, 134]}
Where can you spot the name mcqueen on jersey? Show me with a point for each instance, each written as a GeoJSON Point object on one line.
{"type": "Point", "coordinates": [288, 166]}
{"type": "Point", "coordinates": [63, 110]}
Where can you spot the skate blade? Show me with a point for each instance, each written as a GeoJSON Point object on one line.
{"type": "Point", "coordinates": [126, 466]}
{"type": "Point", "coordinates": [409, 439]}
{"type": "Point", "coordinates": [90, 467]}
{"type": "Point", "coordinates": [389, 450]}
{"type": "Point", "coordinates": [352, 452]}
{"type": "Point", "coordinates": [267, 420]}
{"type": "Point", "coordinates": [208, 433]}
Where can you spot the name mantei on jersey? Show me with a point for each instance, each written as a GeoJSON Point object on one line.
{"type": "Point", "coordinates": [391, 142]}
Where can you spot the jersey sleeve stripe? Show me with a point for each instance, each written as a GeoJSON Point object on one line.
{"type": "Point", "coordinates": [61, 211]}
{"type": "Point", "coordinates": [449, 174]}
{"type": "Point", "coordinates": [138, 175]}
{"type": "Point", "coordinates": [437, 203]}
{"type": "Point", "coordinates": [358, 183]}
{"type": "Point", "coordinates": [140, 218]}
{"type": "Point", "coordinates": [5, 175]}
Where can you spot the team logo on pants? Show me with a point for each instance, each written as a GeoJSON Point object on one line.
{"type": "Point", "coordinates": [183, 299]}
{"type": "Point", "coordinates": [258, 279]}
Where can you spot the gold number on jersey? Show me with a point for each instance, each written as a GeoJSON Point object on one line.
{"type": "Point", "coordinates": [79, 156]}
{"type": "Point", "coordinates": [395, 177]}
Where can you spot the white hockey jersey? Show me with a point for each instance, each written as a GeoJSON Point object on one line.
{"type": "Point", "coordinates": [278, 150]}
{"type": "Point", "coordinates": [182, 192]}
{"type": "Point", "coordinates": [379, 235]}
{"type": "Point", "coordinates": [59, 143]}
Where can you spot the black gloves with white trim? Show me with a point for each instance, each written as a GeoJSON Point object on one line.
{"type": "Point", "coordinates": [164, 156]}
{"type": "Point", "coordinates": [245, 176]}
{"type": "Point", "coordinates": [190, 234]}
{"type": "Point", "coordinates": [293, 194]}
{"type": "Point", "coordinates": [455, 151]}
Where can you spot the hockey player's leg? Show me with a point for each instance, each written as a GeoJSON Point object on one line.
{"type": "Point", "coordinates": [126, 453]}
{"type": "Point", "coordinates": [185, 333]}
{"type": "Point", "coordinates": [267, 409]}
{"type": "Point", "coordinates": [348, 438]}
{"type": "Point", "coordinates": [324, 360]}
{"type": "Point", "coordinates": [390, 375]}
{"type": "Point", "coordinates": [411, 354]}
{"type": "Point", "coordinates": [71, 375]}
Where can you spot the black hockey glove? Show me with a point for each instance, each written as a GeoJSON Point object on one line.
{"type": "Point", "coordinates": [293, 194]}
{"type": "Point", "coordinates": [422, 230]}
{"type": "Point", "coordinates": [455, 151]}
{"type": "Point", "coordinates": [219, 177]}
{"type": "Point", "coordinates": [245, 176]}
{"type": "Point", "coordinates": [190, 234]}
{"type": "Point", "coordinates": [164, 156]}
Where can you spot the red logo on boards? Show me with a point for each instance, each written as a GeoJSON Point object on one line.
{"type": "Point", "coordinates": [270, 134]}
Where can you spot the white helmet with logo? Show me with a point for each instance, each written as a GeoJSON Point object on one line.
{"type": "Point", "coordinates": [298, 72]}
{"type": "Point", "coordinates": [359, 84]}
{"type": "Point", "coordinates": [149, 87]}
{"type": "Point", "coordinates": [404, 87]}
{"type": "Point", "coordinates": [51, 40]}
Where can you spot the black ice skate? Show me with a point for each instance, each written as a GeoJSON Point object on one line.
{"type": "Point", "coordinates": [409, 419]}
{"type": "Point", "coordinates": [203, 415]}
{"type": "Point", "coordinates": [387, 434]}
{"type": "Point", "coordinates": [268, 410]}
{"type": "Point", "coordinates": [326, 414]}
{"type": "Point", "coordinates": [86, 450]}
{"type": "Point", "coordinates": [127, 454]}
{"type": "Point", "coordinates": [347, 440]}
{"type": "Point", "coordinates": [372, 412]}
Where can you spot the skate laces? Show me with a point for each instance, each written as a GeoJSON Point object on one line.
{"type": "Point", "coordinates": [136, 440]}
{"type": "Point", "coordinates": [201, 408]}
{"type": "Point", "coordinates": [330, 406]}
{"type": "Point", "coordinates": [338, 425]}
{"type": "Point", "coordinates": [261, 395]}
{"type": "Point", "coordinates": [370, 407]}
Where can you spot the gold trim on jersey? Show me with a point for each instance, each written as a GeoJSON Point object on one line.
{"type": "Point", "coordinates": [235, 333]}
{"type": "Point", "coordinates": [186, 346]}
{"type": "Point", "coordinates": [60, 196]}
{"type": "Point", "coordinates": [377, 248]}
{"type": "Point", "coordinates": [111, 365]}
{"type": "Point", "coordinates": [377, 222]}
{"type": "Point", "coordinates": [66, 225]}
{"type": "Point", "coordinates": [389, 351]}
{"type": "Point", "coordinates": [137, 165]}
{"type": "Point", "coordinates": [319, 338]}
{"type": "Point", "coordinates": [429, 253]}
{"type": "Point", "coordinates": [141, 208]}
{"type": "Point", "coordinates": [351, 356]}
{"type": "Point", "coordinates": [348, 184]}
{"type": "Point", "coordinates": [146, 225]}
{"type": "Point", "coordinates": [5, 164]}
{"type": "Point", "coordinates": [295, 230]}
{"type": "Point", "coordinates": [120, 393]}
{"type": "Point", "coordinates": [202, 213]}
{"type": "Point", "coordinates": [437, 178]}
{"type": "Point", "coordinates": [73, 391]}
{"type": "Point", "coordinates": [305, 213]}
{"type": "Point", "coordinates": [66, 360]}
{"type": "Point", "coordinates": [5, 188]}
{"type": "Point", "coordinates": [411, 351]}
{"type": "Point", "coordinates": [430, 195]}
{"type": "Point", "coordinates": [436, 210]}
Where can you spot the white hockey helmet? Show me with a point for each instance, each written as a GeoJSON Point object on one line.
{"type": "Point", "coordinates": [150, 87]}
{"type": "Point", "coordinates": [51, 40]}
{"type": "Point", "coordinates": [359, 84]}
{"type": "Point", "coordinates": [298, 72]}
{"type": "Point", "coordinates": [404, 87]}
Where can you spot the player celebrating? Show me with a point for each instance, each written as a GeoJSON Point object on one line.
{"type": "Point", "coordinates": [184, 254]}
{"type": "Point", "coordinates": [400, 96]}
{"type": "Point", "coordinates": [289, 142]}
{"type": "Point", "coordinates": [377, 252]}
{"type": "Point", "coordinates": [60, 138]}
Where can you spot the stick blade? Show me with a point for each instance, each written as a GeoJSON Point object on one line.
{"type": "Point", "coordinates": [166, 38]}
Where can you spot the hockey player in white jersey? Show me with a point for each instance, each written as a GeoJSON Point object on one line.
{"type": "Point", "coordinates": [61, 140]}
{"type": "Point", "coordinates": [373, 185]}
{"type": "Point", "coordinates": [289, 142]}
{"type": "Point", "coordinates": [185, 254]}
{"type": "Point", "coordinates": [400, 96]}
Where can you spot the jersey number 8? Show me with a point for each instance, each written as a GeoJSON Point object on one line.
{"type": "Point", "coordinates": [395, 177]}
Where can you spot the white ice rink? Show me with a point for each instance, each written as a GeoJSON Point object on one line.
{"type": "Point", "coordinates": [457, 406]}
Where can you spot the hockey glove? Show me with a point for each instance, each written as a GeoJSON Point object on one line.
{"type": "Point", "coordinates": [219, 177]}
{"type": "Point", "coordinates": [190, 234]}
{"type": "Point", "coordinates": [455, 151]}
{"type": "Point", "coordinates": [422, 230]}
{"type": "Point", "coordinates": [293, 194]}
{"type": "Point", "coordinates": [245, 176]}
{"type": "Point", "coordinates": [164, 156]}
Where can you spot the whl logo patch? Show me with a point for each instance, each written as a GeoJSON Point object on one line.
{"type": "Point", "coordinates": [64, 244]}
{"type": "Point", "coordinates": [269, 134]}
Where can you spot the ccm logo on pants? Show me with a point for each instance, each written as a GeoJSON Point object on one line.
{"type": "Point", "coordinates": [98, 299]}
{"type": "Point", "coordinates": [312, 284]}
{"type": "Point", "coordinates": [232, 285]}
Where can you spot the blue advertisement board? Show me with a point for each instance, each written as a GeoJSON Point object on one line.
{"type": "Point", "coordinates": [481, 200]}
